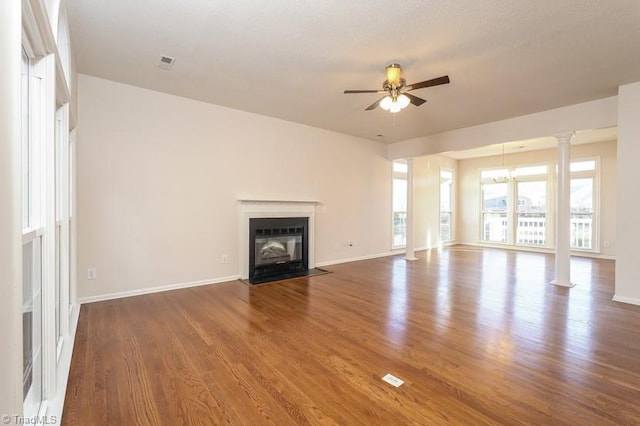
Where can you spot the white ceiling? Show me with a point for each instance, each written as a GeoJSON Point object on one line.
{"type": "Point", "coordinates": [293, 59]}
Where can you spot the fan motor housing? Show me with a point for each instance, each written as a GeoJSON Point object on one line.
{"type": "Point", "coordinates": [388, 86]}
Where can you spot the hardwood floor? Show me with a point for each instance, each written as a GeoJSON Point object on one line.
{"type": "Point", "coordinates": [478, 336]}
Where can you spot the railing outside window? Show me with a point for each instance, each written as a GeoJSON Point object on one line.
{"type": "Point", "coordinates": [495, 227]}
{"type": "Point", "coordinates": [531, 229]}
{"type": "Point", "coordinates": [445, 226]}
{"type": "Point", "coordinates": [399, 229]}
{"type": "Point", "coordinates": [581, 230]}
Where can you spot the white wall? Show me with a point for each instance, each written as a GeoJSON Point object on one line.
{"type": "Point", "coordinates": [159, 177]}
{"type": "Point", "coordinates": [468, 224]}
{"type": "Point", "coordinates": [627, 267]}
{"type": "Point", "coordinates": [427, 198]}
{"type": "Point", "coordinates": [10, 212]}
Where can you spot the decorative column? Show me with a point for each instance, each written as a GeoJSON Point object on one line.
{"type": "Point", "coordinates": [563, 213]}
{"type": "Point", "coordinates": [410, 241]}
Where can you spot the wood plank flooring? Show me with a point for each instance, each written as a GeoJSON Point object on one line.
{"type": "Point", "coordinates": [478, 335]}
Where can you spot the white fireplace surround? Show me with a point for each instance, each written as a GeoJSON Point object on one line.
{"type": "Point", "coordinates": [250, 209]}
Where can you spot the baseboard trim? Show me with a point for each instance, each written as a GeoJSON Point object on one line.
{"type": "Point", "coordinates": [150, 290]}
{"type": "Point", "coordinates": [629, 300]}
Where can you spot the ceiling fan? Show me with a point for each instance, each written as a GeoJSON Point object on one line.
{"type": "Point", "coordinates": [396, 90]}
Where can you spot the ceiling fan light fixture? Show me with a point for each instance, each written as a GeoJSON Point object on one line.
{"type": "Point", "coordinates": [394, 104]}
{"type": "Point", "coordinates": [394, 73]}
{"type": "Point", "coordinates": [395, 87]}
{"type": "Point", "coordinates": [386, 103]}
{"type": "Point", "coordinates": [403, 101]}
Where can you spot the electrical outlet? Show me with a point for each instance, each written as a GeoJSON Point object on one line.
{"type": "Point", "coordinates": [224, 259]}
{"type": "Point", "coordinates": [350, 243]}
{"type": "Point", "coordinates": [607, 243]}
{"type": "Point", "coordinates": [91, 274]}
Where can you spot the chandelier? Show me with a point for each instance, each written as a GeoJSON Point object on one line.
{"type": "Point", "coordinates": [506, 178]}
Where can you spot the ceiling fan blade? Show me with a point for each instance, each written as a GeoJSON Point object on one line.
{"type": "Point", "coordinates": [364, 91]}
{"type": "Point", "coordinates": [428, 83]}
{"type": "Point", "coordinates": [373, 105]}
{"type": "Point", "coordinates": [414, 99]}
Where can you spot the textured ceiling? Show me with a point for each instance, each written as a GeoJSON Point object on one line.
{"type": "Point", "coordinates": [293, 59]}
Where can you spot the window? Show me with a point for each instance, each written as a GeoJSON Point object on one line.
{"type": "Point", "coordinates": [399, 203]}
{"type": "Point", "coordinates": [32, 325]}
{"type": "Point", "coordinates": [494, 212]}
{"type": "Point", "coordinates": [60, 192]}
{"type": "Point", "coordinates": [71, 213]}
{"type": "Point", "coordinates": [530, 170]}
{"type": "Point", "coordinates": [45, 214]}
{"type": "Point", "coordinates": [583, 166]}
{"type": "Point", "coordinates": [582, 213]}
{"type": "Point", "coordinates": [532, 213]}
{"type": "Point", "coordinates": [515, 205]}
{"type": "Point", "coordinates": [446, 205]}
{"type": "Point", "coordinates": [582, 202]}
{"type": "Point", "coordinates": [26, 146]}
{"type": "Point", "coordinates": [32, 254]}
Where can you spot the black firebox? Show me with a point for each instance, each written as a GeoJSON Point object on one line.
{"type": "Point", "coordinates": [278, 248]}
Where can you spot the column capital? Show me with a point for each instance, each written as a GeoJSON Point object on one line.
{"type": "Point", "coordinates": [564, 137]}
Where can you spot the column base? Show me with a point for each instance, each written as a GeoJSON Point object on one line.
{"type": "Point", "coordinates": [410, 258]}
{"type": "Point", "coordinates": [559, 283]}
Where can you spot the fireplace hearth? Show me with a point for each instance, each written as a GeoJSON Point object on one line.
{"type": "Point", "coordinates": [278, 248]}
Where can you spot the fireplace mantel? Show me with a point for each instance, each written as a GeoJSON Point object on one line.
{"type": "Point", "coordinates": [261, 208]}
{"type": "Point", "coordinates": [262, 201]}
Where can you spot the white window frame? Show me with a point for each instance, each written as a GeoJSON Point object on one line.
{"type": "Point", "coordinates": [483, 181]}
{"type": "Point", "coordinates": [595, 215]}
{"type": "Point", "coordinates": [452, 204]}
{"type": "Point", "coordinates": [547, 214]}
{"type": "Point", "coordinates": [62, 225]}
{"type": "Point", "coordinates": [402, 176]}
{"type": "Point", "coordinates": [512, 201]}
{"type": "Point", "coordinates": [49, 91]}
{"type": "Point", "coordinates": [36, 228]}
{"type": "Point", "coordinates": [551, 179]}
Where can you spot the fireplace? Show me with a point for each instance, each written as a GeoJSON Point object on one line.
{"type": "Point", "coordinates": [250, 209]}
{"type": "Point", "coordinates": [278, 248]}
